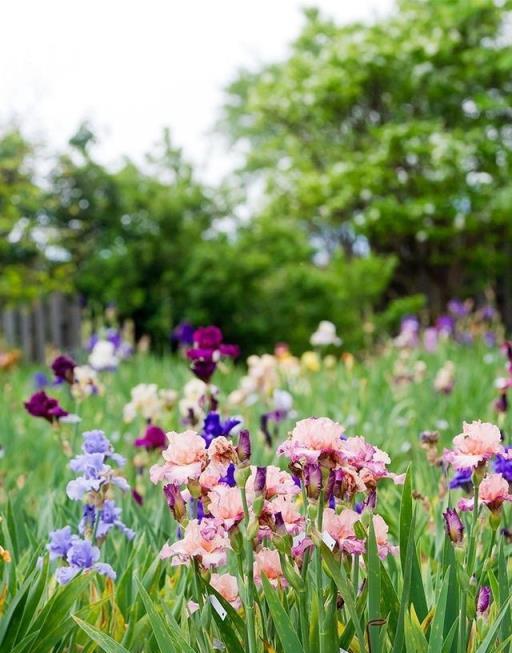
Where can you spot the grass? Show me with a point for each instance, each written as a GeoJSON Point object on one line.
{"type": "Point", "coordinates": [93, 612]}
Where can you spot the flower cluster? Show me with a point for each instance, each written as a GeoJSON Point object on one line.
{"type": "Point", "coordinates": [207, 350]}
{"type": "Point", "coordinates": [199, 399]}
{"type": "Point", "coordinates": [503, 384]}
{"type": "Point", "coordinates": [149, 402]}
{"type": "Point", "coordinates": [462, 322]}
{"type": "Point", "coordinates": [221, 501]}
{"type": "Point", "coordinates": [473, 450]}
{"type": "Point", "coordinates": [79, 554]}
{"type": "Point", "coordinates": [100, 513]}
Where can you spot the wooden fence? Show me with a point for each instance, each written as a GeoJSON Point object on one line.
{"type": "Point", "coordinates": [52, 321]}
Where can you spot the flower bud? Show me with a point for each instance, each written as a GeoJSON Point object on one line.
{"type": "Point", "coordinates": [244, 446]}
{"type": "Point", "coordinates": [194, 488]}
{"type": "Point", "coordinates": [453, 525]}
{"type": "Point", "coordinates": [257, 505]}
{"type": "Point", "coordinates": [291, 575]}
{"type": "Point", "coordinates": [241, 476]}
{"type": "Point", "coordinates": [313, 480]}
{"type": "Point", "coordinates": [483, 600]}
{"type": "Point", "coordinates": [253, 528]}
{"type": "Point", "coordinates": [175, 501]}
{"type": "Point", "coordinates": [260, 480]}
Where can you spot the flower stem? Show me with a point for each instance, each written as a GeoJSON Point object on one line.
{"type": "Point", "coordinates": [320, 583]}
{"type": "Point", "coordinates": [249, 562]}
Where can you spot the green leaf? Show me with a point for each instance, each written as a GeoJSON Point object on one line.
{"type": "Point", "coordinates": [339, 576]}
{"type": "Point", "coordinates": [106, 642]}
{"type": "Point", "coordinates": [54, 620]}
{"type": "Point", "coordinates": [228, 636]}
{"type": "Point", "coordinates": [374, 590]}
{"type": "Point", "coordinates": [287, 635]}
{"type": "Point", "coordinates": [389, 601]}
{"type": "Point", "coordinates": [450, 637]}
{"type": "Point", "coordinates": [504, 593]}
{"type": "Point", "coordinates": [417, 595]}
{"type": "Point", "coordinates": [398, 641]}
{"type": "Point", "coordinates": [232, 613]}
{"type": "Point", "coordinates": [436, 637]}
{"type": "Point", "coordinates": [160, 631]}
{"type": "Point", "coordinates": [485, 646]}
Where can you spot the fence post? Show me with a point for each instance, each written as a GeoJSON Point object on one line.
{"type": "Point", "coordinates": [56, 322]}
{"type": "Point", "coordinates": [9, 326]}
{"type": "Point", "coordinates": [26, 339]}
{"type": "Point", "coordinates": [39, 332]}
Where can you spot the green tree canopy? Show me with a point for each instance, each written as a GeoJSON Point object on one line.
{"type": "Point", "coordinates": [398, 133]}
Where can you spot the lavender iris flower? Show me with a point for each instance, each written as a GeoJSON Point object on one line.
{"type": "Point", "coordinates": [83, 556]}
{"type": "Point", "coordinates": [60, 542]}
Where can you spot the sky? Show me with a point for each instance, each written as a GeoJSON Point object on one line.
{"type": "Point", "coordinates": [133, 67]}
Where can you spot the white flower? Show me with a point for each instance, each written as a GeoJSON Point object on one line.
{"type": "Point", "coordinates": [283, 400]}
{"type": "Point", "coordinates": [325, 335]}
{"type": "Point", "coordinates": [103, 356]}
{"type": "Point", "coordinates": [85, 383]}
{"type": "Point", "coordinates": [148, 401]}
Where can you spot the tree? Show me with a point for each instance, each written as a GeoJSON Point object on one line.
{"type": "Point", "coordinates": [394, 136]}
{"type": "Point", "coordinates": [25, 269]}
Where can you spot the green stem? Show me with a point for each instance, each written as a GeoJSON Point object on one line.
{"type": "Point", "coordinates": [199, 598]}
{"type": "Point", "coordinates": [355, 573]}
{"type": "Point", "coordinates": [322, 626]}
{"type": "Point", "coordinates": [472, 535]}
{"type": "Point", "coordinates": [470, 561]}
{"type": "Point", "coordinates": [487, 557]}
{"type": "Point", "coordinates": [249, 561]}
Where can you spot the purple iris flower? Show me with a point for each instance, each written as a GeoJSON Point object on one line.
{"type": "Point", "coordinates": [503, 466]}
{"type": "Point", "coordinates": [490, 338]}
{"type": "Point", "coordinates": [63, 368]}
{"type": "Point", "coordinates": [183, 334]}
{"type": "Point", "coordinates": [92, 342]}
{"type": "Point", "coordinates": [445, 324]}
{"type": "Point", "coordinates": [462, 479]}
{"type": "Point", "coordinates": [457, 308]}
{"type": "Point", "coordinates": [202, 363]}
{"type": "Point", "coordinates": [114, 336]}
{"type": "Point", "coordinates": [41, 405]}
{"type": "Point", "coordinates": [488, 312]}
{"type": "Point", "coordinates": [229, 476]}
{"type": "Point", "coordinates": [483, 600]}
{"type": "Point", "coordinates": [214, 427]}
{"type": "Point", "coordinates": [275, 416]}
{"type": "Point", "coordinates": [410, 323]}
{"type": "Point", "coordinates": [154, 438]}
{"type": "Point", "coordinates": [40, 380]}
{"type": "Point", "coordinates": [208, 348]}
{"type": "Point", "coordinates": [209, 337]}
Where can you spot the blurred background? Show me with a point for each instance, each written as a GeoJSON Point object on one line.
{"type": "Point", "coordinates": [259, 166]}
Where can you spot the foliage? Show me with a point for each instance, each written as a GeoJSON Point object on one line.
{"type": "Point", "coordinates": [393, 135]}
{"type": "Point", "coordinates": [23, 266]}
{"type": "Point", "coordinates": [145, 609]}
